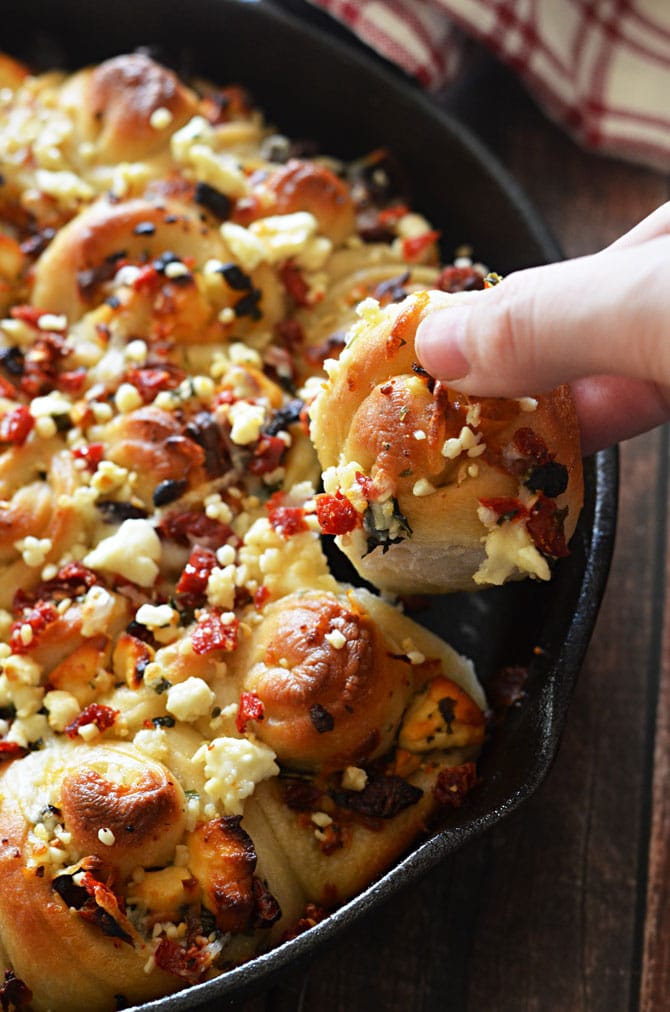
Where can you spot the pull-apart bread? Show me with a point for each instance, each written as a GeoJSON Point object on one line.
{"type": "Point", "coordinates": [208, 742]}
{"type": "Point", "coordinates": [429, 490]}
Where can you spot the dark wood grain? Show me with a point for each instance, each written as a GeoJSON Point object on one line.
{"type": "Point", "coordinates": [565, 907]}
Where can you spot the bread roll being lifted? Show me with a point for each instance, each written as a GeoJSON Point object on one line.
{"type": "Point", "coordinates": [429, 490]}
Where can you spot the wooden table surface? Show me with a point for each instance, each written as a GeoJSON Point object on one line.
{"type": "Point", "coordinates": [565, 906]}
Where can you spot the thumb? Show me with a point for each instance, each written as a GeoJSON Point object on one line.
{"type": "Point", "coordinates": [603, 314]}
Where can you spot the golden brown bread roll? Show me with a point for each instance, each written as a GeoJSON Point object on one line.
{"type": "Point", "coordinates": [331, 691]}
{"type": "Point", "coordinates": [431, 491]}
{"type": "Point", "coordinates": [115, 106]}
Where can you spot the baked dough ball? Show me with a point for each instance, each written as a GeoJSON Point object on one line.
{"type": "Point", "coordinates": [81, 961]}
{"type": "Point", "coordinates": [429, 490]}
{"type": "Point", "coordinates": [113, 106]}
{"type": "Point", "coordinates": [331, 691]}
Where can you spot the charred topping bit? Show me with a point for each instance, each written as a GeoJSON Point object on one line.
{"type": "Point", "coordinates": [381, 798]}
{"type": "Point", "coordinates": [550, 478]}
{"type": "Point", "coordinates": [235, 277]}
{"type": "Point", "coordinates": [205, 431]}
{"type": "Point", "coordinates": [424, 374]}
{"type": "Point", "coordinates": [301, 795]}
{"type": "Point", "coordinates": [14, 994]}
{"type": "Point", "coordinates": [322, 720]}
{"type": "Point", "coordinates": [93, 900]}
{"type": "Point", "coordinates": [36, 244]}
{"type": "Point", "coordinates": [213, 200]}
{"type": "Point", "coordinates": [12, 360]}
{"type": "Point", "coordinates": [284, 416]}
{"type": "Point", "coordinates": [88, 280]}
{"type": "Point", "coordinates": [248, 305]}
{"type": "Point", "coordinates": [266, 909]}
{"type": "Point", "coordinates": [162, 261]}
{"type": "Point", "coordinates": [116, 512]}
{"type": "Point", "coordinates": [392, 290]}
{"type": "Point", "coordinates": [447, 706]}
{"type": "Point", "coordinates": [169, 490]}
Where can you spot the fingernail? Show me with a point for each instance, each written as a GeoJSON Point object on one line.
{"type": "Point", "coordinates": [440, 338]}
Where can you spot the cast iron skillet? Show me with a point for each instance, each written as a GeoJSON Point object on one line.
{"type": "Point", "coordinates": [313, 85]}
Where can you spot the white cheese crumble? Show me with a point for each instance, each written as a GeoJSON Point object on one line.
{"type": "Point", "coordinates": [106, 836]}
{"type": "Point", "coordinates": [354, 778]}
{"type": "Point", "coordinates": [34, 551]}
{"type": "Point", "coordinates": [247, 420]}
{"type": "Point", "coordinates": [156, 616]}
{"type": "Point", "coordinates": [509, 548]}
{"type": "Point", "coordinates": [233, 767]}
{"type": "Point", "coordinates": [133, 551]}
{"type": "Point", "coordinates": [190, 699]}
{"type": "Point", "coordinates": [336, 639]}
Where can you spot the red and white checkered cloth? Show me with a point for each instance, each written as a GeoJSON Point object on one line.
{"type": "Point", "coordinates": [599, 67]}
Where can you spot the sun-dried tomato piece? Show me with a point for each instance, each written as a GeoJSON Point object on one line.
{"type": "Point", "coordinates": [413, 247]}
{"type": "Point", "coordinates": [189, 964]}
{"type": "Point", "coordinates": [288, 520]}
{"type": "Point", "coordinates": [95, 713]}
{"type": "Point", "coordinates": [188, 528]}
{"type": "Point", "coordinates": [293, 281]}
{"type": "Point", "coordinates": [37, 618]}
{"type": "Point", "coordinates": [506, 507]}
{"type": "Point", "coordinates": [211, 634]}
{"type": "Point", "coordinates": [546, 527]}
{"type": "Point", "coordinates": [150, 380]}
{"type": "Point", "coordinates": [250, 708]}
{"type": "Point", "coordinates": [16, 425]}
{"type": "Point", "coordinates": [267, 455]}
{"type": "Point", "coordinates": [460, 279]}
{"type": "Point", "coordinates": [335, 514]}
{"type": "Point", "coordinates": [454, 783]}
{"type": "Point", "coordinates": [90, 453]}
{"type": "Point", "coordinates": [11, 750]}
{"type": "Point", "coordinates": [192, 584]}
{"type": "Point", "coordinates": [381, 798]}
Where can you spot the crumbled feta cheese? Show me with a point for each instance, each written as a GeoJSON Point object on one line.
{"type": "Point", "coordinates": [156, 616]}
{"type": "Point", "coordinates": [133, 551]}
{"type": "Point", "coordinates": [423, 487]}
{"type": "Point", "coordinates": [127, 398]}
{"type": "Point", "coordinates": [233, 767]}
{"type": "Point", "coordinates": [336, 639]}
{"type": "Point", "coordinates": [354, 778]}
{"type": "Point", "coordinates": [247, 421]}
{"type": "Point", "coordinates": [62, 708]}
{"type": "Point", "coordinates": [106, 836]}
{"type": "Point", "coordinates": [244, 246]}
{"type": "Point", "coordinates": [160, 118]}
{"type": "Point", "coordinates": [190, 699]}
{"type": "Point", "coordinates": [34, 551]}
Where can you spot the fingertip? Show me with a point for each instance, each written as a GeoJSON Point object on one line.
{"type": "Point", "coordinates": [440, 340]}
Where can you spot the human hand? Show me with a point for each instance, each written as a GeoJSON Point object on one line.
{"type": "Point", "coordinates": [600, 323]}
